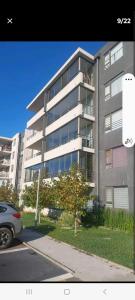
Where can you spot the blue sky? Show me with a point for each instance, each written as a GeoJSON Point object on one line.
{"type": "Point", "coordinates": [25, 67]}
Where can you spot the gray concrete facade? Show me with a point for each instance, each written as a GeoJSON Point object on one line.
{"type": "Point", "coordinates": [113, 177]}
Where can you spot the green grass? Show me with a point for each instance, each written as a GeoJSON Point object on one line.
{"type": "Point", "coordinates": [113, 245]}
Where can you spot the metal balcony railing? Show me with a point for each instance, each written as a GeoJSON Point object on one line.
{"type": "Point", "coordinates": [5, 148]}
{"type": "Point", "coordinates": [5, 162]}
{"type": "Point", "coordinates": [4, 174]}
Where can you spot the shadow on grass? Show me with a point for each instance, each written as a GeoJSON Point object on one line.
{"type": "Point", "coordinates": [32, 233]}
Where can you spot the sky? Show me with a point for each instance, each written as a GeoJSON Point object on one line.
{"type": "Point", "coordinates": [25, 67]}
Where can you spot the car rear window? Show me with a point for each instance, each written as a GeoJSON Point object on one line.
{"type": "Point", "coordinates": [2, 209]}
{"type": "Point", "coordinates": [13, 206]}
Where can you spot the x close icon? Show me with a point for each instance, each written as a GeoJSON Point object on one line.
{"type": "Point", "coordinates": [9, 20]}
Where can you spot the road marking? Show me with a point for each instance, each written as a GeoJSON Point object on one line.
{"type": "Point", "coordinates": [60, 265]}
{"type": "Point", "coordinates": [60, 277]}
{"type": "Point", "coordinates": [12, 250]}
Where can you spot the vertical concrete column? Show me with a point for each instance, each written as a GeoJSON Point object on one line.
{"type": "Point", "coordinates": [97, 126]}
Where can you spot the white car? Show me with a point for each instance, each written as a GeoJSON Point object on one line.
{"type": "Point", "coordinates": [10, 224]}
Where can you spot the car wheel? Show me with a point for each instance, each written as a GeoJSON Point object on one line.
{"type": "Point", "coordinates": [5, 237]}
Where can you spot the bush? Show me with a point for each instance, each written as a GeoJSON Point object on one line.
{"type": "Point", "coordinates": [66, 220]}
{"type": "Point", "coordinates": [111, 218]}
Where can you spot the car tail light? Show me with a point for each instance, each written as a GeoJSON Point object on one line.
{"type": "Point", "coordinates": [17, 215]}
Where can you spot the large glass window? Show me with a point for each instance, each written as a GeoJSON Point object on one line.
{"type": "Point", "coordinates": [62, 135]}
{"type": "Point", "coordinates": [86, 165]}
{"type": "Point", "coordinates": [63, 106]}
{"type": "Point", "coordinates": [113, 88]}
{"type": "Point", "coordinates": [113, 55]}
{"type": "Point", "coordinates": [86, 132]}
{"type": "Point", "coordinates": [63, 80]}
{"type": "Point", "coordinates": [86, 68]}
{"type": "Point", "coordinates": [60, 164]}
{"type": "Point", "coordinates": [113, 121]}
{"type": "Point", "coordinates": [86, 98]}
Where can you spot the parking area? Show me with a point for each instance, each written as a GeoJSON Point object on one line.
{"type": "Point", "coordinates": [22, 264]}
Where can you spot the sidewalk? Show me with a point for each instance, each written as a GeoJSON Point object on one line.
{"type": "Point", "coordinates": [85, 267]}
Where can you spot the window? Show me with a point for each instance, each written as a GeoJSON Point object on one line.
{"type": "Point", "coordinates": [121, 197]}
{"type": "Point", "coordinates": [65, 105]}
{"type": "Point", "coordinates": [108, 123]}
{"type": "Point", "coordinates": [108, 159]}
{"type": "Point", "coordinates": [63, 80]}
{"type": "Point", "coordinates": [116, 86]}
{"type": "Point", "coordinates": [60, 164]}
{"type": "Point", "coordinates": [116, 53]}
{"type": "Point", "coordinates": [28, 174]}
{"type": "Point", "coordinates": [113, 121]}
{"type": "Point", "coordinates": [117, 119]}
{"type": "Point", "coordinates": [86, 98]}
{"type": "Point", "coordinates": [107, 61]}
{"type": "Point", "coordinates": [116, 157]}
{"type": "Point", "coordinates": [62, 135]}
{"type": "Point", "coordinates": [113, 55]}
{"type": "Point", "coordinates": [109, 197]}
{"type": "Point", "coordinates": [113, 88]}
{"type": "Point", "coordinates": [107, 92]}
{"type": "Point", "coordinates": [2, 209]}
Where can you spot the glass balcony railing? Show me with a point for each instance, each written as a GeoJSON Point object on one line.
{"type": "Point", "coordinates": [88, 78]}
{"type": "Point", "coordinates": [88, 142]}
{"type": "Point", "coordinates": [89, 110]}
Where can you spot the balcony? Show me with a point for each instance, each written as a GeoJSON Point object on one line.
{"type": "Point", "coordinates": [80, 78]}
{"type": "Point", "coordinates": [5, 162]}
{"type": "Point", "coordinates": [4, 174]}
{"type": "Point", "coordinates": [76, 143]}
{"type": "Point", "coordinates": [33, 160]}
{"type": "Point", "coordinates": [34, 140]}
{"type": "Point", "coordinates": [36, 122]}
{"type": "Point", "coordinates": [5, 149]}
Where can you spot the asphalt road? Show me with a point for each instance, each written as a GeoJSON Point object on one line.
{"type": "Point", "coordinates": [22, 264]}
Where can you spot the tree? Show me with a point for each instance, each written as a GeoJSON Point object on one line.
{"type": "Point", "coordinates": [72, 193]}
{"type": "Point", "coordinates": [45, 195]}
{"type": "Point", "coordinates": [8, 193]}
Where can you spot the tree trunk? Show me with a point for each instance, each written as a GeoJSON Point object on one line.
{"type": "Point", "coordinates": [75, 231]}
{"type": "Point", "coordinates": [39, 217]}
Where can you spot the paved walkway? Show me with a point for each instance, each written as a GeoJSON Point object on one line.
{"type": "Point", "coordinates": [85, 267]}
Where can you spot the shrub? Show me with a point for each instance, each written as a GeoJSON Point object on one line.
{"type": "Point", "coordinates": [66, 220]}
{"type": "Point", "coordinates": [111, 218]}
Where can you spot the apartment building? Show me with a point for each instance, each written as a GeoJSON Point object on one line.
{"type": "Point", "coordinates": [78, 119]}
{"type": "Point", "coordinates": [115, 163]}
{"type": "Point", "coordinates": [5, 155]}
{"type": "Point", "coordinates": [10, 160]}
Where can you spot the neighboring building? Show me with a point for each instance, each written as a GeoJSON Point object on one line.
{"type": "Point", "coordinates": [5, 155]}
{"type": "Point", "coordinates": [115, 163]}
{"type": "Point", "coordinates": [10, 160]}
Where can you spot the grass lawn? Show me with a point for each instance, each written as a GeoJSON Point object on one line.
{"type": "Point", "coordinates": [113, 245]}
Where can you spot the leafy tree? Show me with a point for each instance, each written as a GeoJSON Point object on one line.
{"type": "Point", "coordinates": [29, 195]}
{"type": "Point", "coordinates": [8, 193]}
{"type": "Point", "coordinates": [72, 193]}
